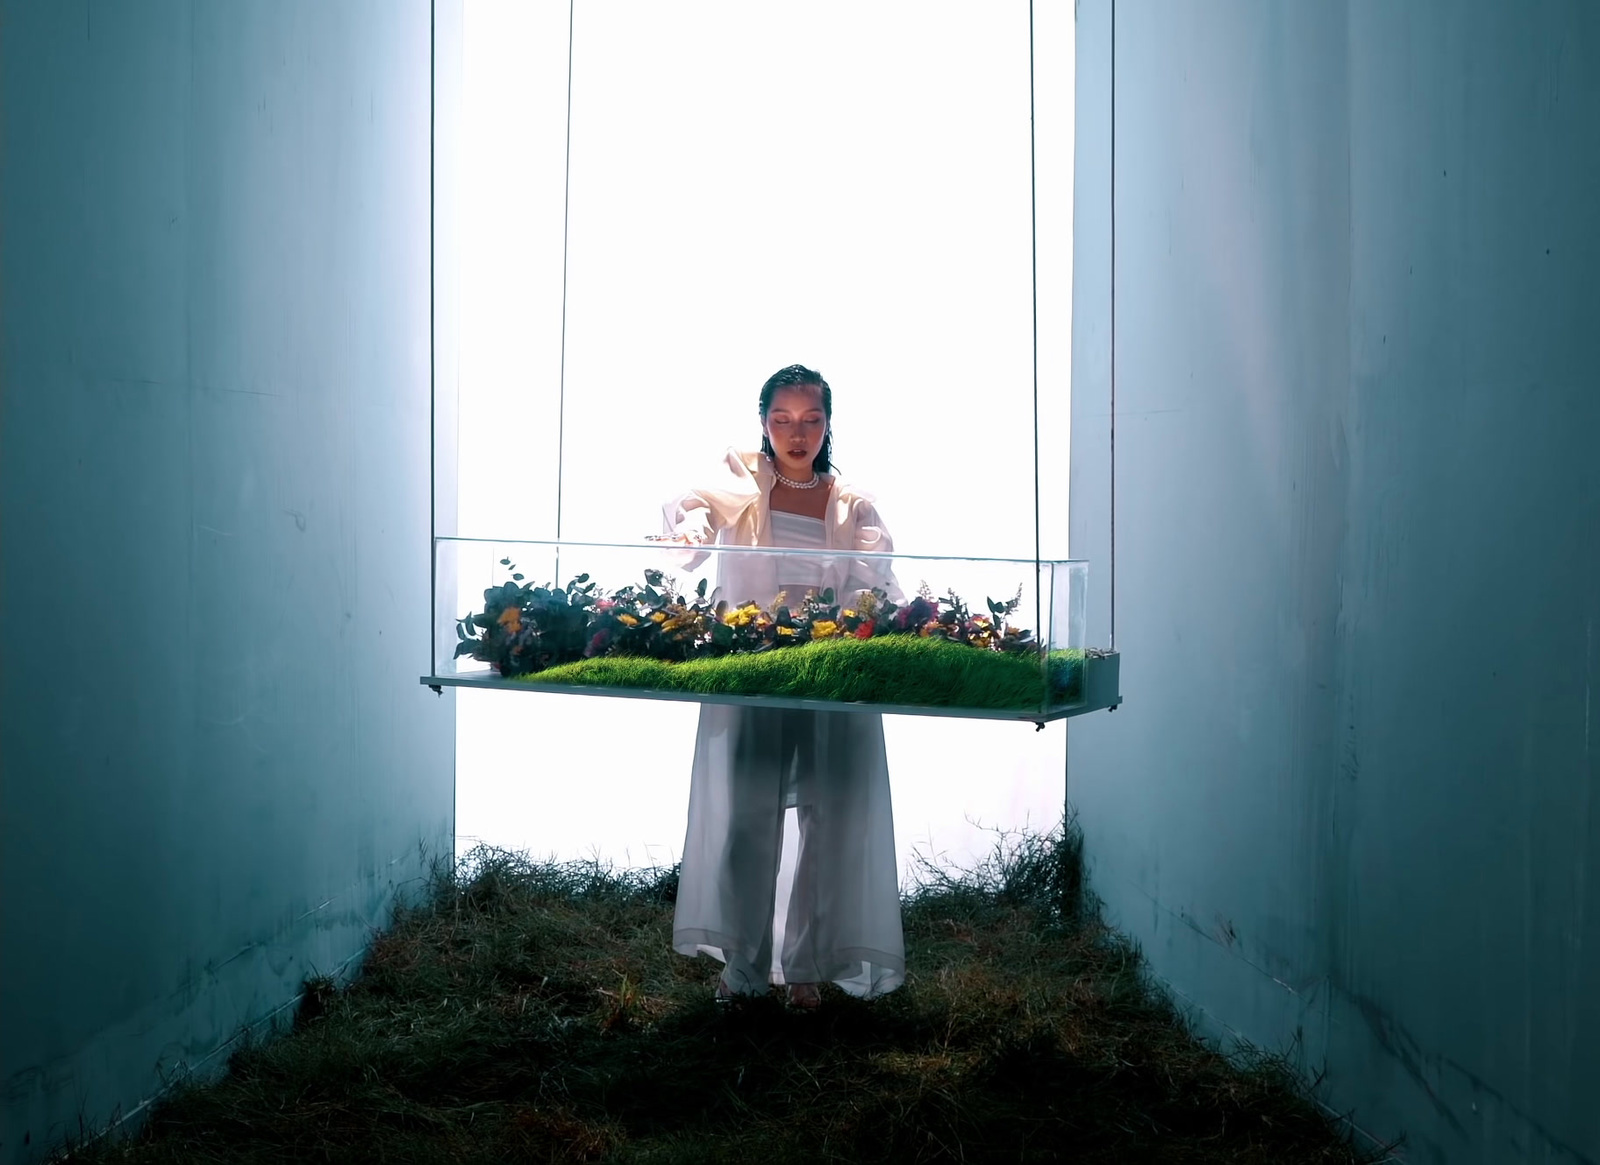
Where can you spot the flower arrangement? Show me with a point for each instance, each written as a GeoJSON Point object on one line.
{"type": "Point", "coordinates": [525, 628]}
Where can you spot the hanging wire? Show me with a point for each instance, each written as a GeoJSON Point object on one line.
{"type": "Point", "coordinates": [1033, 211]}
{"type": "Point", "coordinates": [1113, 325]}
{"type": "Point", "coordinates": [433, 356]}
{"type": "Point", "coordinates": [566, 206]}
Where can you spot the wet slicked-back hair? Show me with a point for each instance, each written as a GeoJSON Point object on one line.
{"type": "Point", "coordinates": [799, 374]}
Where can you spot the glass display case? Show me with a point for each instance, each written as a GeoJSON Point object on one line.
{"type": "Point", "coordinates": [992, 638]}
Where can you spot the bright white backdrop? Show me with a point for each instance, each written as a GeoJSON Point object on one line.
{"type": "Point", "coordinates": [841, 185]}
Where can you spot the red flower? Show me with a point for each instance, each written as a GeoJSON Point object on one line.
{"type": "Point", "coordinates": [864, 631]}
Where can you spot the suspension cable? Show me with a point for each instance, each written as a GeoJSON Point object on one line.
{"type": "Point", "coordinates": [1113, 325]}
{"type": "Point", "coordinates": [433, 355]}
{"type": "Point", "coordinates": [566, 207]}
{"type": "Point", "coordinates": [1033, 210]}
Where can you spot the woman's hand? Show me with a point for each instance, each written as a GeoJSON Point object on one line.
{"type": "Point", "coordinates": [684, 539]}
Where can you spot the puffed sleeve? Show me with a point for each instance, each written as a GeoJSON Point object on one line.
{"type": "Point", "coordinates": [689, 514]}
{"type": "Point", "coordinates": [711, 513]}
{"type": "Point", "coordinates": [703, 513]}
{"type": "Point", "coordinates": [872, 536]}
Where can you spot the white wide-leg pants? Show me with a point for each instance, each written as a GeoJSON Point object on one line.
{"type": "Point", "coordinates": [842, 923]}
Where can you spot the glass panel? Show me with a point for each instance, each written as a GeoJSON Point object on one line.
{"type": "Point", "coordinates": [736, 624]}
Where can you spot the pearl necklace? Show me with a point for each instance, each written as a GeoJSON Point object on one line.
{"type": "Point", "coordinates": [812, 484]}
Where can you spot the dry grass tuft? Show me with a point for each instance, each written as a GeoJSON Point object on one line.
{"type": "Point", "coordinates": [535, 1012]}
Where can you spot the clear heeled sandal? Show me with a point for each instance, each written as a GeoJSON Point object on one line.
{"type": "Point", "coordinates": [804, 996]}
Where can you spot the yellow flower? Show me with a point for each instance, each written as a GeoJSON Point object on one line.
{"type": "Point", "coordinates": [658, 617]}
{"type": "Point", "coordinates": [778, 602]}
{"type": "Point", "coordinates": [741, 616]}
{"type": "Point", "coordinates": [847, 613]}
{"type": "Point", "coordinates": [785, 630]}
{"type": "Point", "coordinates": [511, 620]}
{"type": "Point", "coordinates": [823, 628]}
{"type": "Point", "coordinates": [629, 620]}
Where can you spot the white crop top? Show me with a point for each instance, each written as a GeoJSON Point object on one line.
{"type": "Point", "coordinates": [797, 574]}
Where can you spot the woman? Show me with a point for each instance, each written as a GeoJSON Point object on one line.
{"type": "Point", "coordinates": [751, 764]}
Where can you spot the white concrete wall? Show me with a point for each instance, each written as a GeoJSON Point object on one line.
{"type": "Point", "coordinates": [218, 766]}
{"type": "Point", "coordinates": [1350, 804]}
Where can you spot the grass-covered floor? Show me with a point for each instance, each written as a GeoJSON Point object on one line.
{"type": "Point", "coordinates": [534, 1012]}
{"type": "Point", "coordinates": [894, 669]}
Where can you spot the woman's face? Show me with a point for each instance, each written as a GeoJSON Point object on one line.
{"type": "Point", "coordinates": [796, 426]}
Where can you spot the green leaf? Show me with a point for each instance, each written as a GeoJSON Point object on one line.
{"type": "Point", "coordinates": [827, 597]}
{"type": "Point", "coordinates": [517, 577]}
{"type": "Point", "coordinates": [505, 562]}
{"type": "Point", "coordinates": [701, 589]}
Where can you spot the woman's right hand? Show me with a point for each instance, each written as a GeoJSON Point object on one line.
{"type": "Point", "coordinates": [684, 539]}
